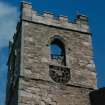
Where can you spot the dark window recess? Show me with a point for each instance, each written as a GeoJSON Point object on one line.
{"type": "Point", "coordinates": [58, 51]}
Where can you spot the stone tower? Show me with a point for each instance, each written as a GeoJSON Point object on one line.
{"type": "Point", "coordinates": [50, 60]}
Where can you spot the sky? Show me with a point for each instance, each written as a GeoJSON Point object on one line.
{"type": "Point", "coordinates": [3, 74]}
{"type": "Point", "coordinates": [94, 9]}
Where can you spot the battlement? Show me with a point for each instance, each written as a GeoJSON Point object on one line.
{"type": "Point", "coordinates": [80, 23]}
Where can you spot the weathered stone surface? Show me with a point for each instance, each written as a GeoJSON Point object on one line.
{"type": "Point", "coordinates": [81, 23]}
{"type": "Point", "coordinates": [30, 82]}
{"type": "Point", "coordinates": [44, 93]}
{"type": "Point", "coordinates": [79, 57]}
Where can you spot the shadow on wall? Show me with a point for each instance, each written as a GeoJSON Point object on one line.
{"type": "Point", "coordinates": [12, 99]}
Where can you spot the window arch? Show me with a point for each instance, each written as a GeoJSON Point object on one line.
{"type": "Point", "coordinates": [57, 51]}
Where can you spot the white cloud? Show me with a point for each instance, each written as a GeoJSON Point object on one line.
{"type": "Point", "coordinates": [8, 20]}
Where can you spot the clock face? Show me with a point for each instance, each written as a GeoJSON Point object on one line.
{"type": "Point", "coordinates": [59, 74]}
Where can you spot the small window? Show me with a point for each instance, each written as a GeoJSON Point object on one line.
{"type": "Point", "coordinates": [57, 50]}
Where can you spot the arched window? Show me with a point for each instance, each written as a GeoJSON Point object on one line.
{"type": "Point", "coordinates": [57, 50]}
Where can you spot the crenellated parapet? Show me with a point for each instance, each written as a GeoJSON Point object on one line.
{"type": "Point", "coordinates": [80, 23]}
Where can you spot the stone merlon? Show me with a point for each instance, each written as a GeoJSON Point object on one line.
{"type": "Point", "coordinates": [28, 14]}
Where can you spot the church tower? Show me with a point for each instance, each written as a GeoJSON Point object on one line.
{"type": "Point", "coordinates": [50, 60]}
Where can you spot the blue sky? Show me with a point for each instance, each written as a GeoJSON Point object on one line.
{"type": "Point", "coordinates": [94, 9]}
{"type": "Point", "coordinates": [3, 74]}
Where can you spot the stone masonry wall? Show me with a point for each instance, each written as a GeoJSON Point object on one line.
{"type": "Point", "coordinates": [80, 23]}
{"type": "Point", "coordinates": [78, 54]}
{"type": "Point", "coordinates": [36, 86]}
{"type": "Point", "coordinates": [45, 93]}
{"type": "Point", "coordinates": [32, 69]}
